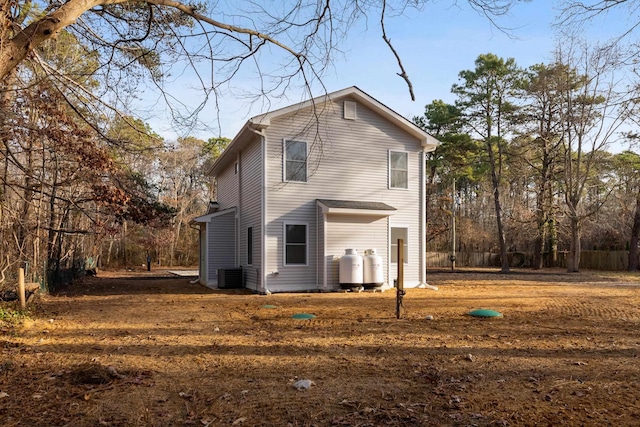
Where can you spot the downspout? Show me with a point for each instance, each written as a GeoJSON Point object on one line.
{"type": "Point", "coordinates": [237, 219]}
{"type": "Point", "coordinates": [321, 263]}
{"type": "Point", "coordinates": [201, 269]}
{"type": "Point", "coordinates": [423, 219]}
{"type": "Point", "coordinates": [263, 213]}
{"type": "Point", "coordinates": [317, 249]}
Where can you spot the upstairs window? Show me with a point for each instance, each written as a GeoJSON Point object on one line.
{"type": "Point", "coordinates": [295, 161]}
{"type": "Point", "coordinates": [398, 169]}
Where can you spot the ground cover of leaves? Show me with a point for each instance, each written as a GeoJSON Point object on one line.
{"type": "Point", "coordinates": [152, 349]}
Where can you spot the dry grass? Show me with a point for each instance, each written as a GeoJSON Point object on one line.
{"type": "Point", "coordinates": [131, 350]}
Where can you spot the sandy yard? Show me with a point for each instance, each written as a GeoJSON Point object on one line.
{"type": "Point", "coordinates": [152, 349]}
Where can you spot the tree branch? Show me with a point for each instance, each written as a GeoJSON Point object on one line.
{"type": "Point", "coordinates": [402, 72]}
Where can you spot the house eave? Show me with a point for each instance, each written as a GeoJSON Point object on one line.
{"type": "Point", "coordinates": [430, 143]}
{"type": "Point", "coordinates": [237, 144]}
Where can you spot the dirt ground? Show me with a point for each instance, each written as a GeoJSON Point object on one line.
{"type": "Point", "coordinates": [151, 349]}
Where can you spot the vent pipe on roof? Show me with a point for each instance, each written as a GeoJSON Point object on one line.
{"type": "Point", "coordinates": [213, 207]}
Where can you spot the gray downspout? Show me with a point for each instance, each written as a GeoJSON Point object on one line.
{"type": "Point", "coordinates": [263, 213]}
{"type": "Point", "coordinates": [240, 209]}
{"type": "Point", "coordinates": [423, 269]}
{"type": "Point", "coordinates": [423, 218]}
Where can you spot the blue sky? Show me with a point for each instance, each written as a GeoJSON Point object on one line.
{"type": "Point", "coordinates": [435, 45]}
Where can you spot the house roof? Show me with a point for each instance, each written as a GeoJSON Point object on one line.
{"type": "Point", "coordinates": [355, 207]}
{"type": "Point", "coordinates": [253, 127]}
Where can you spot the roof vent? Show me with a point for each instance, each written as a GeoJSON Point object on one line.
{"type": "Point", "coordinates": [213, 207]}
{"type": "Point", "coordinates": [350, 110]}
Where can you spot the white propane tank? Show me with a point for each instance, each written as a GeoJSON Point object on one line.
{"type": "Point", "coordinates": [373, 276]}
{"type": "Point", "coordinates": [351, 272]}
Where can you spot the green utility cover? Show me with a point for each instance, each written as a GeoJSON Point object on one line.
{"type": "Point", "coordinates": [484, 312]}
{"type": "Point", "coordinates": [268, 306]}
{"type": "Point", "coordinates": [303, 316]}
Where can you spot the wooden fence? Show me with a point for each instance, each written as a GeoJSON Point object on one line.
{"type": "Point", "coordinates": [595, 260]}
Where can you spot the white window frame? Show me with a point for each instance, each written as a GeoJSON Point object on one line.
{"type": "Point", "coordinates": [390, 170]}
{"type": "Point", "coordinates": [284, 160]}
{"type": "Point", "coordinates": [285, 243]}
{"type": "Point", "coordinates": [393, 245]}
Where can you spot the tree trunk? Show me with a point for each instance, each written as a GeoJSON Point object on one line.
{"type": "Point", "coordinates": [109, 251]}
{"type": "Point", "coordinates": [635, 236]}
{"type": "Point", "coordinates": [53, 217]}
{"type": "Point", "coordinates": [541, 228]}
{"type": "Point", "coordinates": [13, 50]}
{"type": "Point", "coordinates": [544, 199]}
{"type": "Point", "coordinates": [538, 245]}
{"type": "Point", "coordinates": [573, 258]}
{"type": "Point", "coordinates": [495, 182]}
{"type": "Point", "coordinates": [123, 242]}
{"type": "Point", "coordinates": [503, 245]}
{"type": "Point", "coordinates": [552, 243]}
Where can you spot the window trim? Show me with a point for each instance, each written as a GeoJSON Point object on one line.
{"type": "Point", "coordinates": [284, 160]}
{"type": "Point", "coordinates": [390, 170]}
{"type": "Point", "coordinates": [393, 257]}
{"type": "Point", "coordinates": [284, 244]}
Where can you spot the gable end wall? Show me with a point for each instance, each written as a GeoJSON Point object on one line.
{"type": "Point", "coordinates": [348, 160]}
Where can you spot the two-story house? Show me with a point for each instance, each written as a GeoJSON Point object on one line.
{"type": "Point", "coordinates": [299, 185]}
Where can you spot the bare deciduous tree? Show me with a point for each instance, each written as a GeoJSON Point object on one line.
{"type": "Point", "coordinates": [594, 110]}
{"type": "Point", "coordinates": [140, 39]}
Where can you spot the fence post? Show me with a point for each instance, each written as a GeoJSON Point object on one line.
{"type": "Point", "coordinates": [21, 291]}
{"type": "Point", "coordinates": [400, 282]}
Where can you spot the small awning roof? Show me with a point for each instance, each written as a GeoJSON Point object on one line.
{"type": "Point", "coordinates": [203, 219]}
{"type": "Point", "coordinates": [355, 208]}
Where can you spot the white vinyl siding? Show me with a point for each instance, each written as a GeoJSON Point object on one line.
{"type": "Point", "coordinates": [251, 213]}
{"type": "Point", "coordinates": [295, 159]}
{"type": "Point", "coordinates": [349, 161]}
{"type": "Point", "coordinates": [398, 169]}
{"type": "Point", "coordinates": [221, 242]}
{"type": "Point", "coordinates": [228, 190]}
{"type": "Point", "coordinates": [353, 232]}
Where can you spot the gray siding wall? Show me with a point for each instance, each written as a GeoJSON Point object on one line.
{"type": "Point", "coordinates": [348, 160]}
{"type": "Point", "coordinates": [202, 261]}
{"type": "Point", "coordinates": [228, 188]}
{"type": "Point", "coordinates": [251, 212]}
{"type": "Point", "coordinates": [357, 232]}
{"type": "Point", "coordinates": [221, 244]}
